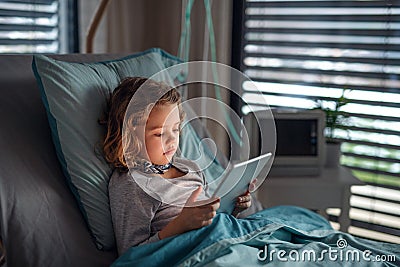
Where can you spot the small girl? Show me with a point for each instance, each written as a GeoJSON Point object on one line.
{"type": "Point", "coordinates": [153, 193]}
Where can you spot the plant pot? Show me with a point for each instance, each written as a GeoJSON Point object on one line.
{"type": "Point", "coordinates": [333, 154]}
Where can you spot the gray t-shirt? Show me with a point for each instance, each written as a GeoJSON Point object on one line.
{"type": "Point", "coordinates": [143, 204]}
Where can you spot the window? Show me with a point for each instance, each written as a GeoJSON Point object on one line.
{"type": "Point", "coordinates": [301, 51]}
{"type": "Point", "coordinates": [38, 26]}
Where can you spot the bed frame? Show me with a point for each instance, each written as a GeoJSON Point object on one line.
{"type": "Point", "coordinates": [40, 222]}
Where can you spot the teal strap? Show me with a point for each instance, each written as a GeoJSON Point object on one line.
{"type": "Point", "coordinates": [229, 122]}
{"type": "Point", "coordinates": [184, 42]}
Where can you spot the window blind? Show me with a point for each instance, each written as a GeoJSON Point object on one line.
{"type": "Point", "coordinates": [36, 26]}
{"type": "Point", "coordinates": [299, 52]}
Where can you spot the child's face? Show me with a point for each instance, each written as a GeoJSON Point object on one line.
{"type": "Point", "coordinates": [162, 133]}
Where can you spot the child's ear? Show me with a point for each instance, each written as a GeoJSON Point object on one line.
{"type": "Point", "coordinates": [180, 129]}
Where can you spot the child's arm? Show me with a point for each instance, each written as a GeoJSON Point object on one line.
{"type": "Point", "coordinates": [193, 216]}
{"type": "Point", "coordinates": [132, 213]}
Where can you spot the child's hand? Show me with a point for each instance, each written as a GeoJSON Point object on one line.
{"type": "Point", "coordinates": [193, 216]}
{"type": "Point", "coordinates": [243, 202]}
{"type": "Point", "coordinates": [196, 214]}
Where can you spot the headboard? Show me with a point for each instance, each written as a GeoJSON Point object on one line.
{"type": "Point", "coordinates": [40, 222]}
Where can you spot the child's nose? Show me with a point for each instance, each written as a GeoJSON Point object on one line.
{"type": "Point", "coordinates": [170, 138]}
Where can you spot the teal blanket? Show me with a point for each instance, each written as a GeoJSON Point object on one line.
{"type": "Point", "coordinates": [279, 236]}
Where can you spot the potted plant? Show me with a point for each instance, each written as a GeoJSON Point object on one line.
{"type": "Point", "coordinates": [333, 120]}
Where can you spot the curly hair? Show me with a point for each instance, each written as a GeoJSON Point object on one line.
{"type": "Point", "coordinates": [118, 104]}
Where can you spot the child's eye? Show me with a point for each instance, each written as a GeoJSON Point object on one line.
{"type": "Point", "coordinates": [176, 130]}
{"type": "Point", "coordinates": [158, 135]}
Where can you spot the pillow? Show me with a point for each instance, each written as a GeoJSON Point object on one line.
{"type": "Point", "coordinates": [75, 96]}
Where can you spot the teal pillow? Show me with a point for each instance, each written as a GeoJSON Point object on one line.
{"type": "Point", "coordinates": [75, 95]}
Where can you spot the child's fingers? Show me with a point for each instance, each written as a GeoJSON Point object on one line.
{"type": "Point", "coordinates": [212, 206]}
{"type": "Point", "coordinates": [243, 205]}
{"type": "Point", "coordinates": [209, 215]}
{"type": "Point", "coordinates": [244, 198]}
{"type": "Point", "coordinates": [206, 223]}
{"type": "Point", "coordinates": [243, 202]}
{"type": "Point", "coordinates": [252, 185]}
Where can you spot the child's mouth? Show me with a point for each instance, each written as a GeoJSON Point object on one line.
{"type": "Point", "coordinates": [170, 152]}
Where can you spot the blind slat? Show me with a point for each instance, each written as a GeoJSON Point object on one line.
{"type": "Point", "coordinates": [311, 17]}
{"type": "Point", "coordinates": [373, 171]}
{"type": "Point", "coordinates": [331, 4]}
{"type": "Point", "coordinates": [38, 2]}
{"type": "Point", "coordinates": [314, 67]}
{"type": "Point", "coordinates": [30, 48]}
{"type": "Point", "coordinates": [26, 14]}
{"type": "Point", "coordinates": [355, 101]}
{"type": "Point", "coordinates": [10, 28]}
{"type": "Point", "coordinates": [332, 32]}
{"type": "Point", "coordinates": [370, 143]}
{"type": "Point", "coordinates": [314, 81]}
{"type": "Point", "coordinates": [366, 59]}
{"type": "Point", "coordinates": [338, 45]}
{"type": "Point", "coordinates": [385, 159]}
{"type": "Point", "coordinates": [376, 227]}
{"type": "Point", "coordinates": [370, 130]}
{"type": "Point", "coordinates": [28, 42]}
{"type": "Point", "coordinates": [323, 38]}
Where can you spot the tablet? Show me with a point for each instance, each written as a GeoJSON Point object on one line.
{"type": "Point", "coordinates": [237, 180]}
